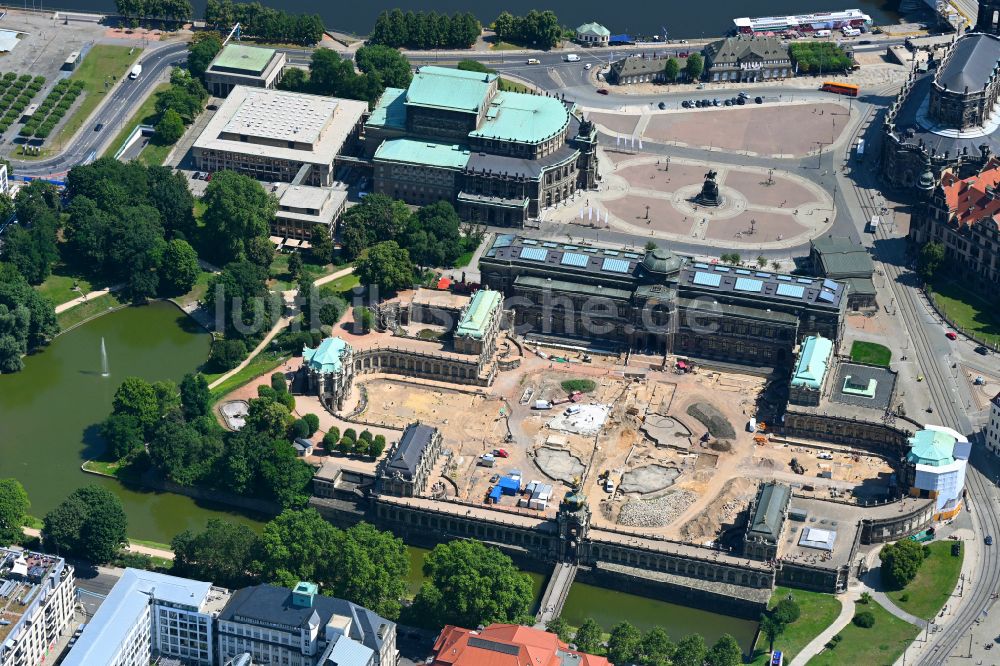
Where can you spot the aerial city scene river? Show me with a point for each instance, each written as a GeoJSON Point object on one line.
{"type": "Point", "coordinates": [413, 333]}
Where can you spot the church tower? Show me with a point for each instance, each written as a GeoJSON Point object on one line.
{"type": "Point", "coordinates": [988, 17]}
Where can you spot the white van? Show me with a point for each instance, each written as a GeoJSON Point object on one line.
{"type": "Point", "coordinates": [821, 33]}
{"type": "Point", "coordinates": [534, 61]}
{"type": "Point", "coordinates": [572, 57]}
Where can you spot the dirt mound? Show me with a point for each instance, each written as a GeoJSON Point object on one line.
{"type": "Point", "coordinates": [723, 445]}
{"type": "Point", "coordinates": [658, 512]}
{"type": "Point", "coordinates": [710, 417]}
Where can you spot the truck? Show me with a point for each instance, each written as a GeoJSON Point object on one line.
{"type": "Point", "coordinates": [136, 71]}
{"type": "Point", "coordinates": [850, 32]}
{"type": "Point", "coordinates": [542, 404]}
{"type": "Point", "coordinates": [571, 57]}
{"type": "Point", "coordinates": [873, 225]}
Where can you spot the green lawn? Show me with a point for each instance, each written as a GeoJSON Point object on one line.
{"type": "Point", "coordinates": [935, 581]}
{"type": "Point", "coordinates": [103, 467]}
{"type": "Point", "coordinates": [154, 154]}
{"type": "Point", "coordinates": [86, 310]}
{"type": "Point", "coordinates": [58, 287]}
{"type": "Point", "coordinates": [513, 86]}
{"type": "Point", "coordinates": [261, 364]}
{"type": "Point", "coordinates": [199, 290]}
{"type": "Point", "coordinates": [144, 115]}
{"type": "Point", "coordinates": [968, 310]}
{"type": "Point", "coordinates": [464, 259]}
{"type": "Point", "coordinates": [343, 285]}
{"type": "Point", "coordinates": [102, 62]}
{"type": "Point", "coordinates": [871, 353]}
{"type": "Point", "coordinates": [881, 645]}
{"type": "Point", "coordinates": [149, 544]}
{"type": "Point", "coordinates": [818, 612]}
{"type": "Point", "coordinates": [280, 280]}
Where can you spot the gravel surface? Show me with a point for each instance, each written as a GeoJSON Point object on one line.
{"type": "Point", "coordinates": [658, 512]}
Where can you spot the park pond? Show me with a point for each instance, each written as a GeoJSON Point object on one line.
{"type": "Point", "coordinates": [50, 412]}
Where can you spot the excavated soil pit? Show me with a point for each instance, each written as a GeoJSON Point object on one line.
{"type": "Point", "coordinates": [649, 479]}
{"type": "Point", "coordinates": [558, 464]}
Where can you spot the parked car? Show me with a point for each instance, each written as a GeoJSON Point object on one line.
{"type": "Point", "coordinates": [758, 100]}
{"type": "Point", "coordinates": [951, 335]}
{"type": "Point", "coordinates": [501, 453]}
{"type": "Point", "coordinates": [728, 102]}
{"type": "Point", "coordinates": [662, 105]}
{"type": "Point", "coordinates": [716, 102]}
{"type": "Point", "coordinates": [195, 175]}
{"type": "Point", "coordinates": [982, 350]}
{"type": "Point", "coordinates": [686, 104]}
{"type": "Point", "coordinates": [743, 95]}
{"type": "Point", "coordinates": [588, 65]}
{"type": "Point", "coordinates": [602, 91]}
{"type": "Point", "coordinates": [988, 540]}
{"type": "Point", "coordinates": [741, 101]}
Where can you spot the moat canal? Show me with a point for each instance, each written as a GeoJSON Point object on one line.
{"type": "Point", "coordinates": [49, 415]}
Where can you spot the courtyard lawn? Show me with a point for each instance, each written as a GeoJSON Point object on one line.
{"type": "Point", "coordinates": [280, 280]}
{"type": "Point", "coordinates": [968, 310]}
{"type": "Point", "coordinates": [512, 86]}
{"type": "Point", "coordinates": [936, 579]}
{"type": "Point", "coordinates": [58, 287]}
{"type": "Point", "coordinates": [154, 154]}
{"type": "Point", "coordinates": [881, 645]}
{"type": "Point", "coordinates": [103, 62]}
{"type": "Point", "coordinates": [343, 285]}
{"type": "Point", "coordinates": [144, 115]}
{"type": "Point", "coordinates": [85, 311]}
{"type": "Point", "coordinates": [871, 353]}
{"type": "Point", "coordinates": [818, 612]}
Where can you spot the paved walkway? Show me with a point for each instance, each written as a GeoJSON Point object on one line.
{"type": "Point", "coordinates": [80, 300]}
{"type": "Point", "coordinates": [816, 645]}
{"type": "Point", "coordinates": [279, 325]}
{"type": "Point", "coordinates": [132, 547]}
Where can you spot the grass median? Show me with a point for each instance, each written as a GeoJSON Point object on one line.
{"type": "Point", "coordinates": [934, 584]}
{"type": "Point", "coordinates": [103, 63]}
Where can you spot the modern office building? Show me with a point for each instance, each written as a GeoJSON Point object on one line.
{"type": "Point", "coordinates": [300, 627]}
{"type": "Point", "coordinates": [935, 468]}
{"type": "Point", "coordinates": [506, 645]}
{"type": "Point", "coordinates": [748, 58]}
{"type": "Point", "coordinates": [148, 616]}
{"type": "Point", "coordinates": [946, 117]}
{"type": "Point", "coordinates": [405, 471]}
{"type": "Point", "coordinates": [302, 207]}
{"type": "Point", "coordinates": [659, 301]}
{"type": "Point", "coordinates": [37, 593]}
{"type": "Point", "coordinates": [239, 65]}
{"type": "Point", "coordinates": [963, 215]}
{"type": "Point", "coordinates": [499, 156]}
{"type": "Point", "coordinates": [279, 136]}
{"type": "Point", "coordinates": [993, 426]}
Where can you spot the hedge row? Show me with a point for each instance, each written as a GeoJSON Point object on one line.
{"type": "Point", "coordinates": [52, 109]}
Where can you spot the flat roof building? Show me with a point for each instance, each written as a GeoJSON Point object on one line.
{"type": "Point", "coordinates": [240, 65]}
{"type": "Point", "coordinates": [149, 615]}
{"type": "Point", "coordinates": [273, 135]}
{"type": "Point", "coordinates": [300, 627]}
{"type": "Point", "coordinates": [302, 207]}
{"type": "Point", "coordinates": [38, 593]}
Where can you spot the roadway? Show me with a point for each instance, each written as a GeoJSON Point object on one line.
{"type": "Point", "coordinates": [948, 396]}
{"type": "Point", "coordinates": [114, 112]}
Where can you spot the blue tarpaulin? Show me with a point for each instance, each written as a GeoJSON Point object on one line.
{"type": "Point", "coordinates": [508, 486]}
{"type": "Point", "coordinates": [620, 39]}
{"type": "Point", "coordinates": [495, 494]}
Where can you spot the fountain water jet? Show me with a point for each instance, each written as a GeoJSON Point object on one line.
{"type": "Point", "coordinates": [105, 372]}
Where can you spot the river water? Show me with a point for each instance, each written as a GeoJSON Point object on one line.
{"type": "Point", "coordinates": [49, 412]}
{"type": "Point", "coordinates": [681, 19]}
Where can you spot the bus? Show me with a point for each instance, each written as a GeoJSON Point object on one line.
{"type": "Point", "coordinates": [848, 89]}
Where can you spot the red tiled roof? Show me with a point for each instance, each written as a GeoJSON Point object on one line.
{"type": "Point", "coordinates": [504, 645]}
{"type": "Point", "coordinates": [967, 198]}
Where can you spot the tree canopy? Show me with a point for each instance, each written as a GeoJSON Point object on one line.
{"type": "Point", "coordinates": [240, 296]}
{"type": "Point", "coordinates": [223, 553]}
{"type": "Point", "coordinates": [389, 64]}
{"type": "Point", "coordinates": [539, 29]}
{"type": "Point", "coordinates": [201, 51]}
{"type": "Point", "coordinates": [815, 57]}
{"type": "Point", "coordinates": [27, 319]}
{"type": "Point", "coordinates": [694, 66]}
{"type": "Point", "coordinates": [264, 23]}
{"type": "Point", "coordinates": [386, 265]}
{"type": "Point", "coordinates": [89, 524]}
{"type": "Point", "coordinates": [929, 261]}
{"type": "Point", "coordinates": [237, 211]}
{"type": "Point", "coordinates": [425, 30]}
{"type": "Point", "coordinates": [13, 510]}
{"type": "Point", "coordinates": [471, 584]}
{"type": "Point", "coordinates": [900, 562]}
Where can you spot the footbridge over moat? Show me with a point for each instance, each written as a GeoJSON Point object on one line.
{"type": "Point", "coordinates": [554, 597]}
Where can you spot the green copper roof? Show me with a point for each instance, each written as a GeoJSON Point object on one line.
{"type": "Point", "coordinates": [522, 117]}
{"type": "Point", "coordinates": [390, 110]}
{"type": "Point", "coordinates": [429, 153]}
{"type": "Point", "coordinates": [250, 59]}
{"type": "Point", "coordinates": [328, 356]}
{"type": "Point", "coordinates": [475, 318]}
{"type": "Point", "coordinates": [931, 447]}
{"type": "Point", "coordinates": [452, 89]}
{"type": "Point", "coordinates": [811, 368]}
{"type": "Point", "coordinates": [595, 28]}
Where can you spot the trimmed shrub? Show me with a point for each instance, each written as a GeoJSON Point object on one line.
{"type": "Point", "coordinates": [330, 440]}
{"type": "Point", "coordinates": [864, 619]}
{"type": "Point", "coordinates": [313, 422]}
{"type": "Point", "coordinates": [24, 77]}
{"type": "Point", "coordinates": [299, 429]}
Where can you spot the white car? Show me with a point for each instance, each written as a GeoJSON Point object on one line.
{"type": "Point", "coordinates": [588, 66]}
